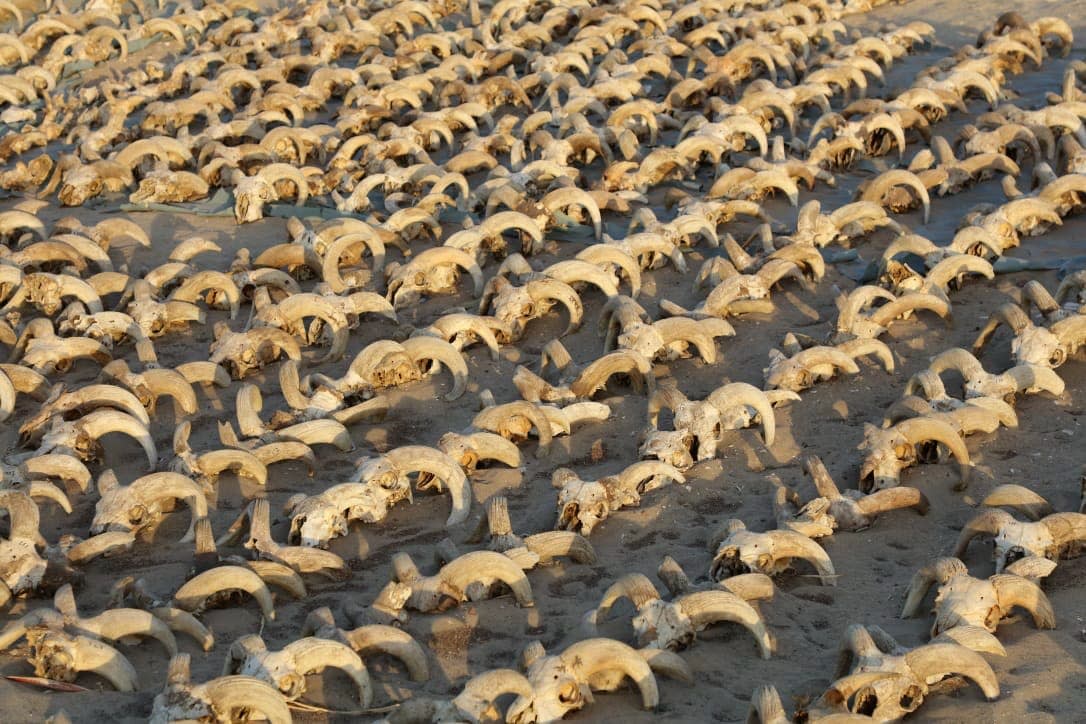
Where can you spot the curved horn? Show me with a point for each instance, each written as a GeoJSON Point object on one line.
{"type": "Point", "coordinates": [316, 432]}
{"type": "Point", "coordinates": [974, 638]}
{"type": "Point", "coordinates": [976, 239]}
{"type": "Point", "coordinates": [789, 544]}
{"type": "Point", "coordinates": [481, 690]}
{"type": "Point", "coordinates": [7, 397]}
{"type": "Point", "coordinates": [1017, 211]}
{"type": "Point", "coordinates": [1021, 498]}
{"type": "Point", "coordinates": [600, 254]}
{"type": "Point", "coordinates": [184, 622]}
{"type": "Point", "coordinates": [103, 544]}
{"type": "Point", "coordinates": [1032, 568]}
{"type": "Point", "coordinates": [24, 515]}
{"type": "Point", "coordinates": [450, 255]}
{"type": "Point", "coordinates": [274, 172]}
{"type": "Point", "coordinates": [595, 376]}
{"type": "Point", "coordinates": [481, 565]}
{"type": "Point", "coordinates": [86, 654]}
{"type": "Point", "coordinates": [436, 349]}
{"type": "Point", "coordinates": [330, 272]}
{"type": "Point", "coordinates": [887, 180]}
{"type": "Point", "coordinates": [241, 462]}
{"type": "Point", "coordinates": [634, 586]}
{"type": "Point", "coordinates": [931, 660]}
{"type": "Point", "coordinates": [248, 404]}
{"type": "Point", "coordinates": [908, 303]}
{"type": "Point", "coordinates": [458, 329]}
{"type": "Point", "coordinates": [909, 244]}
{"type": "Point", "coordinates": [844, 688]}
{"type": "Point", "coordinates": [1066, 528]}
{"type": "Point", "coordinates": [229, 694]}
{"type": "Point", "coordinates": [26, 380]}
{"type": "Point", "coordinates": [552, 544]}
{"type": "Point", "coordinates": [193, 246]}
{"type": "Point", "coordinates": [565, 294]}
{"type": "Point", "coordinates": [444, 468]}
{"type": "Point", "coordinates": [926, 385]}
{"type": "Point", "coordinates": [377, 638]}
{"type": "Point", "coordinates": [942, 273]}
{"type": "Point", "coordinates": [821, 477]}
{"type": "Point", "coordinates": [569, 196]}
{"type": "Point", "coordinates": [940, 571]}
{"type": "Point", "coordinates": [749, 586]}
{"type": "Point", "coordinates": [700, 333]}
{"type": "Point", "coordinates": [492, 418]}
{"type": "Point", "coordinates": [157, 486]}
{"type": "Point", "coordinates": [634, 476]}
{"type": "Point", "coordinates": [116, 624]}
{"type": "Point", "coordinates": [592, 656]}
{"type": "Point", "coordinates": [576, 270]}
{"type": "Point", "coordinates": [882, 501]}
{"type": "Point", "coordinates": [921, 429]}
{"type": "Point", "coordinates": [173, 384]}
{"type": "Point", "coordinates": [832, 356]}
{"type": "Point", "coordinates": [54, 465]}
{"type": "Point", "coordinates": [706, 607]}
{"type": "Point", "coordinates": [102, 422]}
{"type": "Point", "coordinates": [959, 360]}
{"type": "Point", "coordinates": [200, 282]}
{"type": "Point", "coordinates": [989, 523]}
{"type": "Point", "coordinates": [859, 299]}
{"type": "Point", "coordinates": [208, 373]}
{"type": "Point", "coordinates": [1017, 591]}
{"type": "Point", "coordinates": [1071, 331]}
{"type": "Point", "coordinates": [316, 654]}
{"type": "Point", "coordinates": [741, 393]}
{"type": "Point", "coordinates": [112, 396]}
{"type": "Point", "coordinates": [193, 595]}
{"type": "Point", "coordinates": [766, 707]}
{"type": "Point", "coordinates": [489, 446]}
{"type": "Point", "coordinates": [1009, 314]}
{"type": "Point", "coordinates": [45, 490]}
{"type": "Point", "coordinates": [667, 663]}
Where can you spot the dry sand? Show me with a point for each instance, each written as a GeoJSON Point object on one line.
{"type": "Point", "coordinates": [1043, 678]}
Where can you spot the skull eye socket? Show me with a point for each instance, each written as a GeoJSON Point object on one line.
{"type": "Point", "coordinates": [765, 560]}
{"type": "Point", "coordinates": [1058, 358]}
{"type": "Point", "coordinates": [911, 699]}
{"type": "Point", "coordinates": [865, 702]}
{"type": "Point", "coordinates": [136, 514]}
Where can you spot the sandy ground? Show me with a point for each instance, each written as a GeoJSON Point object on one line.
{"type": "Point", "coordinates": [1043, 678]}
